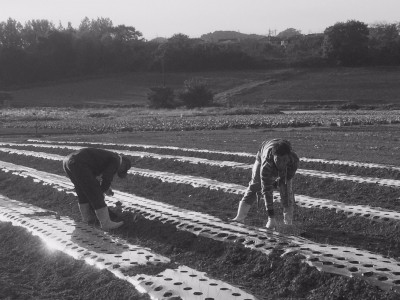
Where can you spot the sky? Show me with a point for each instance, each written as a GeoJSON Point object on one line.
{"type": "Point", "coordinates": [164, 18]}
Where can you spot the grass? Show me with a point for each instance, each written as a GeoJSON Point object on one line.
{"type": "Point", "coordinates": [122, 89]}
{"type": "Point", "coordinates": [118, 103]}
{"type": "Point", "coordinates": [304, 88]}
{"type": "Point", "coordinates": [329, 87]}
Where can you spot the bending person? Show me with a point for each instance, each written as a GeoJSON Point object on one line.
{"type": "Point", "coordinates": [275, 166]}
{"type": "Point", "coordinates": [82, 167]}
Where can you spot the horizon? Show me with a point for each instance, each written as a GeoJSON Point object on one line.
{"type": "Point", "coordinates": [159, 18]}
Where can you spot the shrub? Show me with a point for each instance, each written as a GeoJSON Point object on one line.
{"type": "Point", "coordinates": [350, 106]}
{"type": "Point", "coordinates": [5, 99]}
{"type": "Point", "coordinates": [252, 111]}
{"type": "Point", "coordinates": [196, 93]}
{"type": "Point", "coordinates": [98, 115]}
{"type": "Point", "coordinates": [161, 97]}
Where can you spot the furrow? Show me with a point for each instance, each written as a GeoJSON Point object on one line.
{"type": "Point", "coordinates": [231, 164]}
{"type": "Point", "coordinates": [240, 154]}
{"type": "Point", "coordinates": [98, 248]}
{"type": "Point", "coordinates": [373, 213]}
{"type": "Point", "coordinates": [376, 269]}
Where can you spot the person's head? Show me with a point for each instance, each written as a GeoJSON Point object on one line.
{"type": "Point", "coordinates": [281, 151]}
{"type": "Point", "coordinates": [124, 166]}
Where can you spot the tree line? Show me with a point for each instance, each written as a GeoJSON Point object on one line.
{"type": "Point", "coordinates": [40, 51]}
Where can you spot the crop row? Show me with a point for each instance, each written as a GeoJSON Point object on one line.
{"type": "Point", "coordinates": [241, 267]}
{"type": "Point", "coordinates": [373, 267]}
{"type": "Point", "coordinates": [316, 224]}
{"type": "Point", "coordinates": [220, 204]}
{"type": "Point", "coordinates": [211, 122]}
{"type": "Point", "coordinates": [338, 166]}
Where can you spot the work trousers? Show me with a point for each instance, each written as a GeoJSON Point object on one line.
{"type": "Point", "coordinates": [87, 187]}
{"type": "Point", "coordinates": [254, 188]}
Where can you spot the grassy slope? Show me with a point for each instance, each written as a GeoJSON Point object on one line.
{"type": "Point", "coordinates": [125, 89]}
{"type": "Point", "coordinates": [329, 86]}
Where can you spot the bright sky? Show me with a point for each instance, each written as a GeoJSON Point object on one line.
{"type": "Point", "coordinates": [163, 18]}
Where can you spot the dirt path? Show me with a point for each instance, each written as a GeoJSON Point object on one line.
{"type": "Point", "coordinates": [225, 96]}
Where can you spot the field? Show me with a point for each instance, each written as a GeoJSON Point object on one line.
{"type": "Point", "coordinates": [190, 169]}
{"type": "Point", "coordinates": [294, 88]}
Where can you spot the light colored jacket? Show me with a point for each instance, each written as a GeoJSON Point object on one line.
{"type": "Point", "coordinates": [269, 171]}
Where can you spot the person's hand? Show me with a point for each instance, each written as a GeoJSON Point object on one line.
{"type": "Point", "coordinates": [109, 192]}
{"type": "Point", "coordinates": [278, 182]}
{"type": "Point", "coordinates": [275, 184]}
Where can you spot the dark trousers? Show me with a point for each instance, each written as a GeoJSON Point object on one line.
{"type": "Point", "coordinates": [87, 187]}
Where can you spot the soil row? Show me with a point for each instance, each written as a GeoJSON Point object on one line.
{"type": "Point", "coordinates": [315, 224]}
{"type": "Point", "coordinates": [30, 270]}
{"type": "Point", "coordinates": [318, 166]}
{"type": "Point", "coordinates": [327, 188]}
{"type": "Point", "coordinates": [267, 277]}
{"type": "Point", "coordinates": [319, 225]}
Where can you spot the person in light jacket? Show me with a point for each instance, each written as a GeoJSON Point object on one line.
{"type": "Point", "coordinates": [275, 166]}
{"type": "Point", "coordinates": [82, 167]}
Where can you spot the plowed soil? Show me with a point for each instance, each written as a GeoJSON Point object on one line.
{"type": "Point", "coordinates": [268, 277]}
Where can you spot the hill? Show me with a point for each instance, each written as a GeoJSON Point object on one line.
{"type": "Point", "coordinates": [218, 36]}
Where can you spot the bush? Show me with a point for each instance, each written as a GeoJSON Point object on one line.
{"type": "Point", "coordinates": [5, 99]}
{"type": "Point", "coordinates": [161, 97]}
{"type": "Point", "coordinates": [252, 111]}
{"type": "Point", "coordinates": [196, 94]}
{"type": "Point", "coordinates": [349, 106]}
{"type": "Point", "coordinates": [98, 115]}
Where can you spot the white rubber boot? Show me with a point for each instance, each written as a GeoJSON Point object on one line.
{"type": "Point", "coordinates": [288, 215]}
{"type": "Point", "coordinates": [87, 213]}
{"type": "Point", "coordinates": [242, 212]}
{"type": "Point", "coordinates": [271, 224]}
{"type": "Point", "coordinates": [104, 218]}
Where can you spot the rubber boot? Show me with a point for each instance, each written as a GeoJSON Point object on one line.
{"type": "Point", "coordinates": [271, 224]}
{"type": "Point", "coordinates": [288, 215]}
{"type": "Point", "coordinates": [87, 213]}
{"type": "Point", "coordinates": [242, 212]}
{"type": "Point", "coordinates": [104, 218]}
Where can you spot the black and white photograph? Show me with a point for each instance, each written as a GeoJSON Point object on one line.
{"type": "Point", "coordinates": [199, 150]}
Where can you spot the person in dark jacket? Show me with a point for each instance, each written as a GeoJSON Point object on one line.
{"type": "Point", "coordinates": [275, 166]}
{"type": "Point", "coordinates": [82, 167]}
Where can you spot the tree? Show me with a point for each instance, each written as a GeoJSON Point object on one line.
{"type": "Point", "coordinates": [305, 50]}
{"type": "Point", "coordinates": [178, 52]}
{"type": "Point", "coordinates": [161, 97]}
{"type": "Point", "coordinates": [34, 30]}
{"type": "Point", "coordinates": [96, 28]}
{"type": "Point", "coordinates": [346, 43]}
{"type": "Point", "coordinates": [10, 34]}
{"type": "Point", "coordinates": [384, 44]}
{"type": "Point", "coordinates": [196, 93]}
{"type": "Point", "coordinates": [126, 34]}
{"type": "Point", "coordinates": [289, 33]}
{"type": "Point", "coordinates": [56, 55]}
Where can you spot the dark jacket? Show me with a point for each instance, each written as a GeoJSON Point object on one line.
{"type": "Point", "coordinates": [99, 162]}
